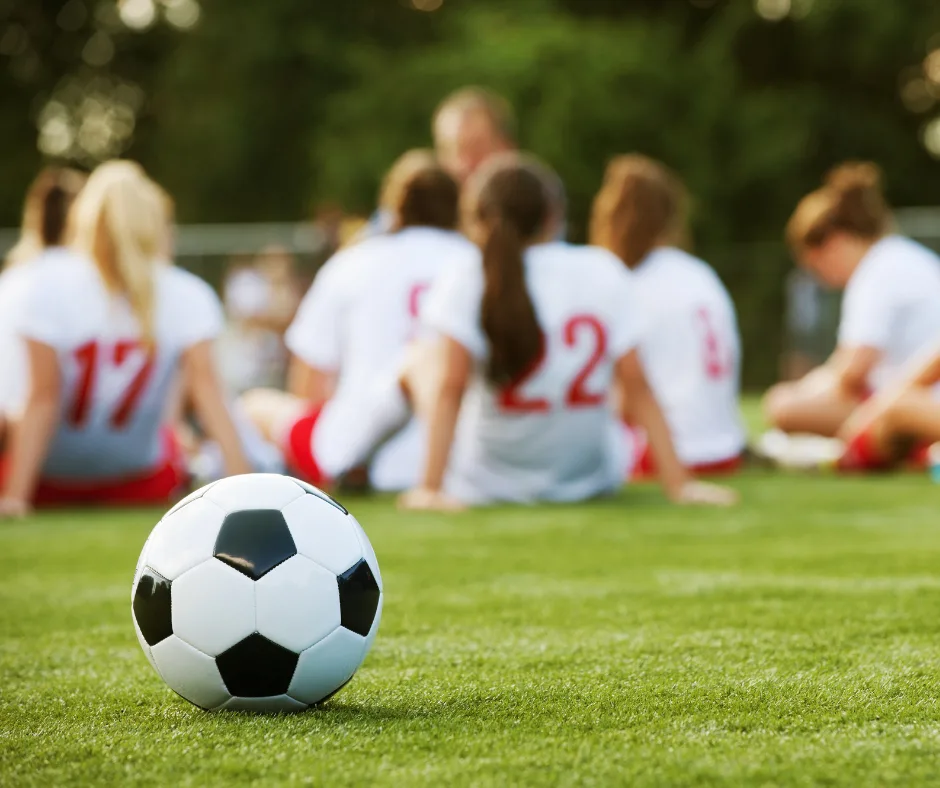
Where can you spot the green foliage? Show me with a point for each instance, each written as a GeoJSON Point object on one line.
{"type": "Point", "coordinates": [265, 109]}
{"type": "Point", "coordinates": [792, 641]}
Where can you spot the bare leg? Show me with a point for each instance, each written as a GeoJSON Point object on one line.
{"type": "Point", "coordinates": [273, 412]}
{"type": "Point", "coordinates": [809, 405]}
{"type": "Point", "coordinates": [914, 416]}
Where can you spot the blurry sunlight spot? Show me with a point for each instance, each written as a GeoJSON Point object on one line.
{"type": "Point", "coordinates": [916, 95]}
{"type": "Point", "coordinates": [774, 10]}
{"type": "Point", "coordinates": [131, 96]}
{"type": "Point", "coordinates": [932, 137]}
{"type": "Point", "coordinates": [72, 16]}
{"type": "Point", "coordinates": [182, 14]}
{"type": "Point", "coordinates": [803, 8]}
{"type": "Point", "coordinates": [99, 50]}
{"type": "Point", "coordinates": [427, 5]}
{"type": "Point", "coordinates": [137, 14]}
{"type": "Point", "coordinates": [932, 66]}
{"type": "Point", "coordinates": [55, 132]}
{"type": "Point", "coordinates": [14, 41]}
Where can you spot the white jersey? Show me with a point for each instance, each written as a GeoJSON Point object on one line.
{"type": "Point", "coordinates": [691, 352]}
{"type": "Point", "coordinates": [892, 303]}
{"type": "Point", "coordinates": [14, 366]}
{"type": "Point", "coordinates": [116, 393]}
{"type": "Point", "coordinates": [357, 320]}
{"type": "Point", "coordinates": [552, 434]}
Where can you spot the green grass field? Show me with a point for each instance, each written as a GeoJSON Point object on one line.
{"type": "Point", "coordinates": [794, 641]}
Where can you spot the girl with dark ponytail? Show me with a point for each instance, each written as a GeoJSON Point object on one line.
{"type": "Point", "coordinates": [532, 336]}
{"type": "Point", "coordinates": [843, 233]}
{"type": "Point", "coordinates": [42, 232]}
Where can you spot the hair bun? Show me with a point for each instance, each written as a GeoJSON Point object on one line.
{"type": "Point", "coordinates": [854, 176]}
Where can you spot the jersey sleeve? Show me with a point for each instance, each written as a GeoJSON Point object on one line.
{"type": "Point", "coordinates": [867, 308]}
{"type": "Point", "coordinates": [315, 335]}
{"type": "Point", "coordinates": [452, 307]}
{"type": "Point", "coordinates": [197, 312]}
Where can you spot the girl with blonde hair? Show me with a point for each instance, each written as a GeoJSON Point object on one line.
{"type": "Point", "coordinates": [107, 336]}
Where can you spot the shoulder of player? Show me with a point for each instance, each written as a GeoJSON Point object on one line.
{"type": "Point", "coordinates": [893, 251]}
{"type": "Point", "coordinates": [178, 283]}
{"type": "Point", "coordinates": [56, 271]}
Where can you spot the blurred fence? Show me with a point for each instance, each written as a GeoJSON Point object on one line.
{"type": "Point", "coordinates": [788, 322]}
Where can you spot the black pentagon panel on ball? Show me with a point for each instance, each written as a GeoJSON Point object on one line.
{"type": "Point", "coordinates": [311, 490]}
{"type": "Point", "coordinates": [152, 607]}
{"type": "Point", "coordinates": [254, 541]}
{"type": "Point", "coordinates": [257, 668]}
{"type": "Point", "coordinates": [358, 598]}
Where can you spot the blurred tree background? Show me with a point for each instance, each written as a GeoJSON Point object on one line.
{"type": "Point", "coordinates": [250, 111]}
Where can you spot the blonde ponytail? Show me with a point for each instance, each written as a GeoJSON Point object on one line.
{"type": "Point", "coordinates": [120, 221]}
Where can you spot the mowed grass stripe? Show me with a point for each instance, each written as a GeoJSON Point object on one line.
{"type": "Point", "coordinates": [793, 641]}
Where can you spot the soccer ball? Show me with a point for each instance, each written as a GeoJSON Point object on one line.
{"type": "Point", "coordinates": [257, 593]}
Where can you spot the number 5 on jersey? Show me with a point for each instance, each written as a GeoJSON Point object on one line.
{"type": "Point", "coordinates": [95, 359]}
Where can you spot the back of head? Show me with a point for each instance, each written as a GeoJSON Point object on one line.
{"type": "Point", "coordinates": [120, 221]}
{"type": "Point", "coordinates": [851, 200]}
{"type": "Point", "coordinates": [45, 212]}
{"type": "Point", "coordinates": [418, 192]}
{"type": "Point", "coordinates": [641, 205]}
{"type": "Point", "coordinates": [507, 208]}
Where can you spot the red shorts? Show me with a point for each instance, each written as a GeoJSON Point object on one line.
{"type": "Point", "coordinates": [644, 467]}
{"type": "Point", "coordinates": [298, 453]}
{"type": "Point", "coordinates": [153, 488]}
{"type": "Point", "coordinates": [861, 454]}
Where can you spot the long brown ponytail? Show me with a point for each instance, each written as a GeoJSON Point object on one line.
{"type": "Point", "coordinates": [510, 206]}
{"type": "Point", "coordinates": [641, 204]}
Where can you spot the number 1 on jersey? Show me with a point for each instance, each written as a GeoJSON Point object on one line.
{"type": "Point", "coordinates": [87, 358]}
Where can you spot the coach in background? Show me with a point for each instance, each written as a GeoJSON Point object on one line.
{"type": "Point", "coordinates": [469, 126]}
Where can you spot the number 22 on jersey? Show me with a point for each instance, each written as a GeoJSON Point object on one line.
{"type": "Point", "coordinates": [95, 360]}
{"type": "Point", "coordinates": [513, 400]}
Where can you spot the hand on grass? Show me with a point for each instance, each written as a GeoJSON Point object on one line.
{"type": "Point", "coordinates": [421, 499]}
{"type": "Point", "coordinates": [696, 493]}
{"type": "Point", "coordinates": [13, 508]}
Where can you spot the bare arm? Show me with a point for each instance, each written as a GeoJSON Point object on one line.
{"type": "Point", "coordinates": [639, 404]}
{"type": "Point", "coordinates": [444, 413]}
{"type": "Point", "coordinates": [641, 408]}
{"type": "Point", "coordinates": [207, 397]}
{"type": "Point", "coordinates": [32, 434]}
{"type": "Point", "coordinates": [852, 367]}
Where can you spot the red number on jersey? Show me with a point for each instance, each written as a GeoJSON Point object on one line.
{"type": "Point", "coordinates": [718, 364]}
{"type": "Point", "coordinates": [127, 404]}
{"type": "Point", "coordinates": [87, 358]}
{"type": "Point", "coordinates": [578, 396]}
{"type": "Point", "coordinates": [415, 295]}
{"type": "Point", "coordinates": [512, 399]}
